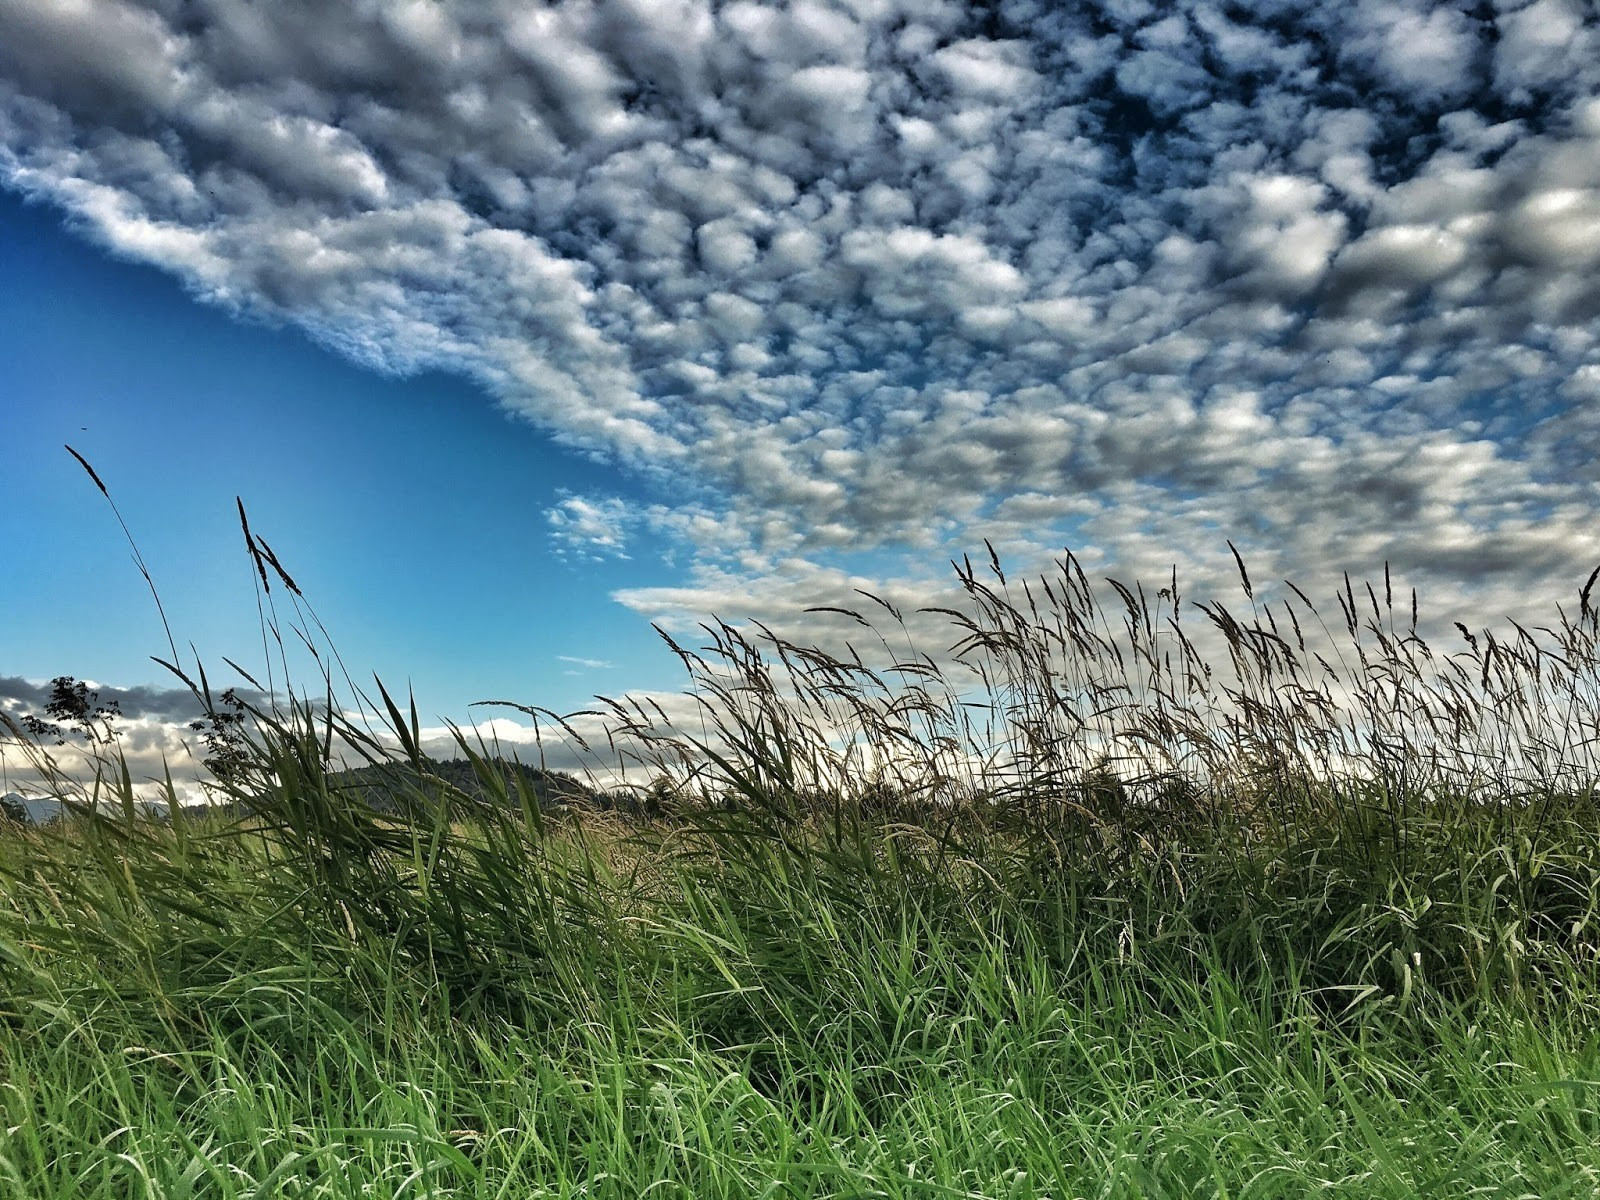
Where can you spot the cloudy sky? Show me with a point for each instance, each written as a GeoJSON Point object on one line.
{"type": "Point", "coordinates": [519, 326]}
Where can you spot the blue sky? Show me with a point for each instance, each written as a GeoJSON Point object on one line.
{"type": "Point", "coordinates": [636, 311]}
{"type": "Point", "coordinates": [409, 510]}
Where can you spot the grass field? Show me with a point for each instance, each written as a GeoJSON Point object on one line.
{"type": "Point", "coordinates": [1318, 918]}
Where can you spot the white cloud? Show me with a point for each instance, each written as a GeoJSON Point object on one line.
{"type": "Point", "coordinates": [1542, 44]}
{"type": "Point", "coordinates": [1424, 47]}
{"type": "Point", "coordinates": [592, 529]}
{"type": "Point", "coordinates": [588, 664]}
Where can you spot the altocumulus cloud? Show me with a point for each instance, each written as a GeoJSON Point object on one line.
{"type": "Point", "coordinates": [902, 275]}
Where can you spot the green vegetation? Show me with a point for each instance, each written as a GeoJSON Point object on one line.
{"type": "Point", "coordinates": [382, 786]}
{"type": "Point", "coordinates": [1076, 913]}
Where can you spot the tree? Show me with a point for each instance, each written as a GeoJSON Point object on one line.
{"type": "Point", "coordinates": [72, 704]}
{"type": "Point", "coordinates": [227, 751]}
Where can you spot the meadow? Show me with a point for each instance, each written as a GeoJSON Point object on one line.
{"type": "Point", "coordinates": [1120, 898]}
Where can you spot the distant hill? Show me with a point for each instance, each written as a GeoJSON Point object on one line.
{"type": "Point", "coordinates": [378, 783]}
{"type": "Point", "coordinates": [41, 810]}
{"type": "Point", "coordinates": [17, 807]}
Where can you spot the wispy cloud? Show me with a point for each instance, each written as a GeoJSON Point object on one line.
{"type": "Point", "coordinates": [879, 275]}
{"type": "Point", "coordinates": [588, 664]}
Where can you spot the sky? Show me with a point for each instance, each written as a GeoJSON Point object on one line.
{"type": "Point", "coordinates": [519, 327]}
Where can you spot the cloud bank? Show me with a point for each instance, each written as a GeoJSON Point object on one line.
{"type": "Point", "coordinates": [893, 276]}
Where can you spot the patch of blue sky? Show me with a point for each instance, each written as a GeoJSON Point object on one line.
{"type": "Point", "coordinates": [410, 511]}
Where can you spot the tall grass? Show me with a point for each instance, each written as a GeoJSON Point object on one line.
{"type": "Point", "coordinates": [1078, 902]}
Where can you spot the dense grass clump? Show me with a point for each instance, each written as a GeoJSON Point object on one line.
{"type": "Point", "coordinates": [1071, 911]}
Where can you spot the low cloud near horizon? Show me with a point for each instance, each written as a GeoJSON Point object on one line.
{"type": "Point", "coordinates": [896, 277]}
{"type": "Point", "coordinates": [152, 734]}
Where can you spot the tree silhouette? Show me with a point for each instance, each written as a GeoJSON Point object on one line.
{"type": "Point", "coordinates": [73, 709]}
{"type": "Point", "coordinates": [221, 730]}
